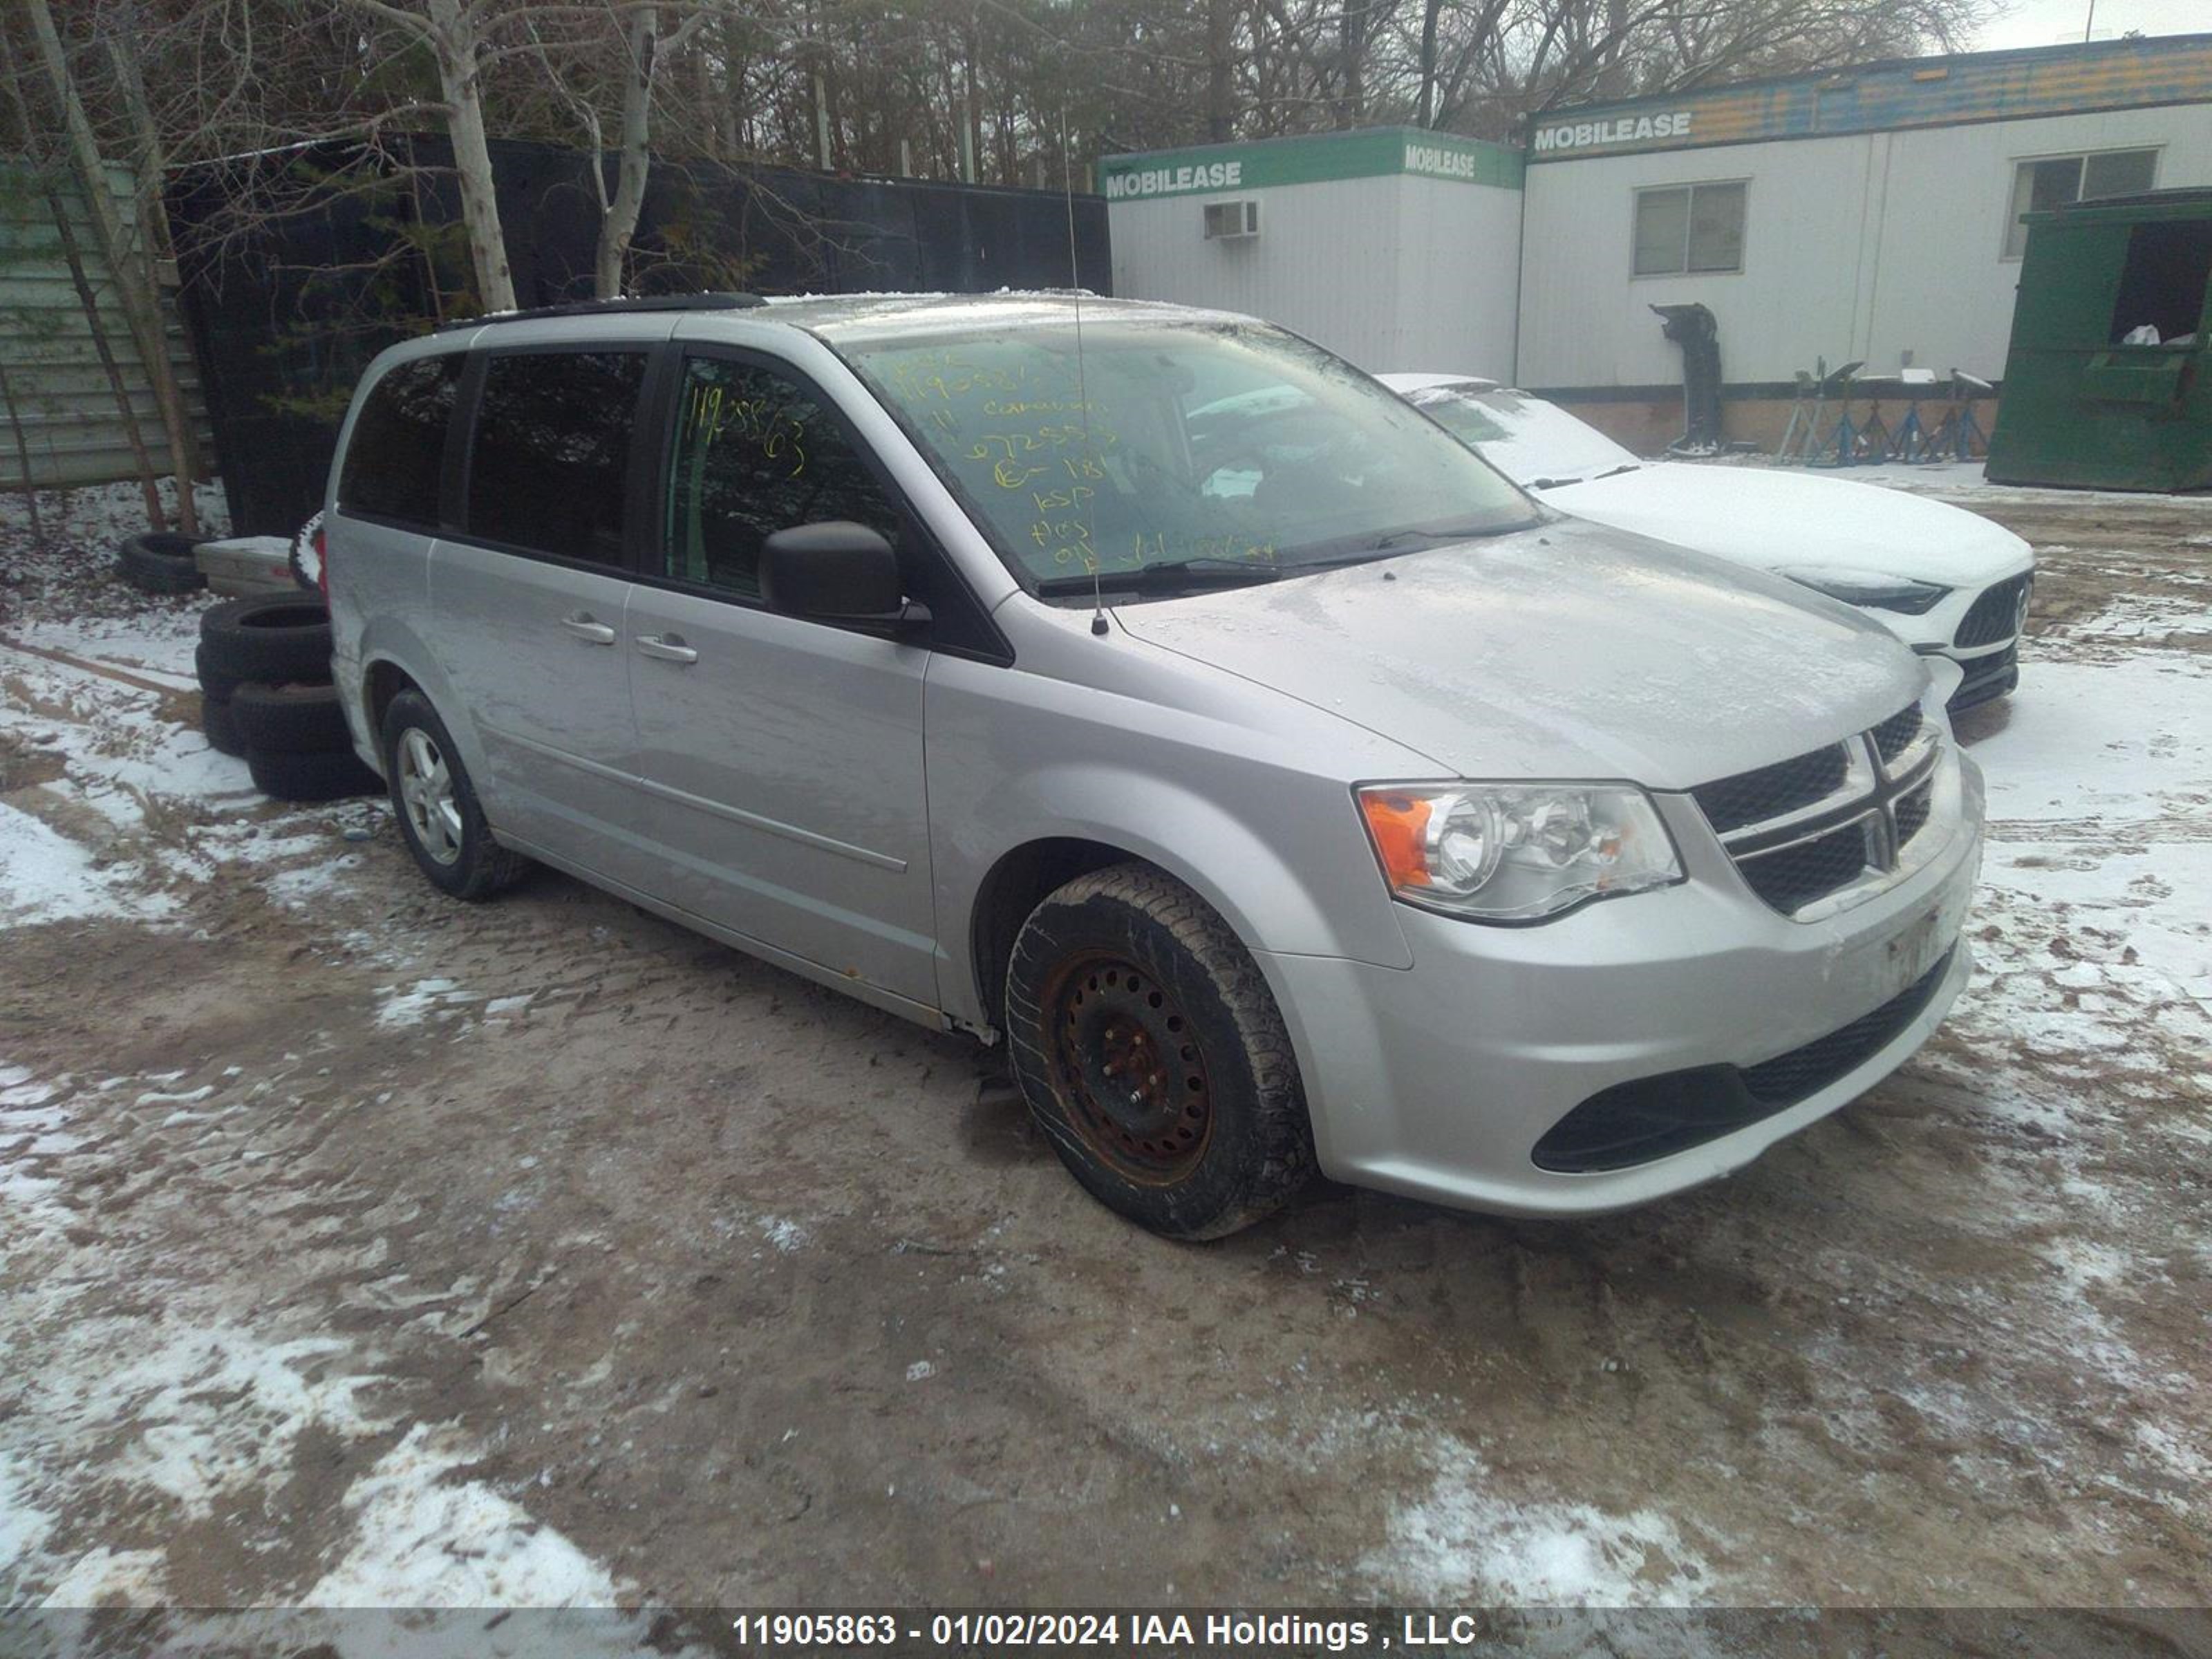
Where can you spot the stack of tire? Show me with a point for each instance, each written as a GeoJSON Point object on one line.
{"type": "Point", "coordinates": [159, 562]}
{"type": "Point", "coordinates": [266, 694]}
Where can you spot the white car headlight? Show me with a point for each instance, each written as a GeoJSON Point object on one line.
{"type": "Point", "coordinates": [1870, 587]}
{"type": "Point", "coordinates": [1520, 852]}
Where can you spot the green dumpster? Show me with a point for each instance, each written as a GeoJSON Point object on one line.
{"type": "Point", "coordinates": [2108, 384]}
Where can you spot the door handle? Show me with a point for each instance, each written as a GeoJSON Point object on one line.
{"type": "Point", "coordinates": [666, 647]}
{"type": "Point", "coordinates": [585, 628]}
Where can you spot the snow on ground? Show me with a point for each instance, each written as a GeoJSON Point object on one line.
{"type": "Point", "coordinates": [98, 517]}
{"type": "Point", "coordinates": [194, 1402]}
{"type": "Point", "coordinates": [1465, 1545]}
{"type": "Point", "coordinates": [407, 1511]}
{"type": "Point", "coordinates": [2094, 947]}
{"type": "Point", "coordinates": [47, 877]}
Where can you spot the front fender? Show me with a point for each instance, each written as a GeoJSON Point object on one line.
{"type": "Point", "coordinates": [1264, 882]}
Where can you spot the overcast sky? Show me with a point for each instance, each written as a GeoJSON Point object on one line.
{"type": "Point", "coordinates": [2042, 22]}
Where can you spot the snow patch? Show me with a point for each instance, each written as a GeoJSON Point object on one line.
{"type": "Point", "coordinates": [425, 1000]}
{"type": "Point", "coordinates": [45, 877]}
{"type": "Point", "coordinates": [1465, 1544]}
{"type": "Point", "coordinates": [425, 1540]}
{"type": "Point", "coordinates": [24, 1526]}
{"type": "Point", "coordinates": [785, 1235]}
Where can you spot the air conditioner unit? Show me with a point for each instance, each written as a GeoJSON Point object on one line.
{"type": "Point", "coordinates": [1231, 220]}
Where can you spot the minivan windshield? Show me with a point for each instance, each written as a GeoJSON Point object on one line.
{"type": "Point", "coordinates": [1221, 449]}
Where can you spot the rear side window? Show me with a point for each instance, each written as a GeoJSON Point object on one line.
{"type": "Point", "coordinates": [549, 465]}
{"type": "Point", "coordinates": [756, 452]}
{"type": "Point", "coordinates": [397, 453]}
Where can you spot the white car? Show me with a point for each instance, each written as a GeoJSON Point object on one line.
{"type": "Point", "coordinates": [1947, 582]}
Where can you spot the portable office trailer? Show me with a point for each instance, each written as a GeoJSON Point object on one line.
{"type": "Point", "coordinates": [1870, 214]}
{"type": "Point", "coordinates": [2109, 382]}
{"type": "Point", "coordinates": [1396, 247]}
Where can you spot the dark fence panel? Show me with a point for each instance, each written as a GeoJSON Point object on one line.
{"type": "Point", "coordinates": [287, 305]}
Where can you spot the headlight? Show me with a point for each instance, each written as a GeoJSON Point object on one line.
{"type": "Point", "coordinates": [1495, 852]}
{"type": "Point", "coordinates": [1869, 587]}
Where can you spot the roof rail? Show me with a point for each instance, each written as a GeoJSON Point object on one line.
{"type": "Point", "coordinates": [709, 302]}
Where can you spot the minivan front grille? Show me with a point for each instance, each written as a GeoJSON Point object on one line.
{"type": "Point", "coordinates": [1792, 877]}
{"type": "Point", "coordinates": [1805, 828]}
{"type": "Point", "coordinates": [1771, 792]}
{"type": "Point", "coordinates": [1912, 811]}
{"type": "Point", "coordinates": [1895, 735]}
{"type": "Point", "coordinates": [1997, 616]}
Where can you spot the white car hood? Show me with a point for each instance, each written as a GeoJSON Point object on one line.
{"type": "Point", "coordinates": [1773, 520]}
{"type": "Point", "coordinates": [1563, 651]}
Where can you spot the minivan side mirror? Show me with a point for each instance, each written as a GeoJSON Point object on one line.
{"type": "Point", "coordinates": [837, 571]}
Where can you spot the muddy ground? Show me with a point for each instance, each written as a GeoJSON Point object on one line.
{"type": "Point", "coordinates": [356, 1244]}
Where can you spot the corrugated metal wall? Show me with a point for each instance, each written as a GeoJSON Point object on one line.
{"type": "Point", "coordinates": [61, 395]}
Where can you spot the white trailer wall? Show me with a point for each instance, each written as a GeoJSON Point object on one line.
{"type": "Point", "coordinates": [1392, 270]}
{"type": "Point", "coordinates": [1298, 271]}
{"type": "Point", "coordinates": [1863, 246]}
{"type": "Point", "coordinates": [1456, 259]}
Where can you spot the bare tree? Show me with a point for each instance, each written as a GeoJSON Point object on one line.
{"type": "Point", "coordinates": [452, 30]}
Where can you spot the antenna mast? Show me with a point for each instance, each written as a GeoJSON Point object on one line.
{"type": "Point", "coordinates": [1082, 388]}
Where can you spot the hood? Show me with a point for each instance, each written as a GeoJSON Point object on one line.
{"type": "Point", "coordinates": [1563, 651]}
{"type": "Point", "coordinates": [1768, 518]}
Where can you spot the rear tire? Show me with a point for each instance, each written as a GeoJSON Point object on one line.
{"type": "Point", "coordinates": [217, 725]}
{"type": "Point", "coordinates": [440, 819]}
{"type": "Point", "coordinates": [281, 638]}
{"type": "Point", "coordinates": [161, 561]}
{"type": "Point", "coordinates": [290, 720]}
{"type": "Point", "coordinates": [214, 684]}
{"type": "Point", "coordinates": [1152, 1055]}
{"type": "Point", "coordinates": [334, 775]}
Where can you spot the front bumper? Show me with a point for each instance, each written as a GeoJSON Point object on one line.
{"type": "Point", "coordinates": [1990, 668]}
{"type": "Point", "coordinates": [1988, 674]}
{"type": "Point", "coordinates": [1438, 1081]}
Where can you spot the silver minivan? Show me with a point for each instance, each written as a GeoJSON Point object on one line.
{"type": "Point", "coordinates": [1283, 788]}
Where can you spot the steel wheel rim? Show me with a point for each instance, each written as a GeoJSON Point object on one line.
{"type": "Point", "coordinates": [426, 795]}
{"type": "Point", "coordinates": [1128, 1065]}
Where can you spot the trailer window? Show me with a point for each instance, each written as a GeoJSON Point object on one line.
{"type": "Point", "coordinates": [1688, 228]}
{"type": "Point", "coordinates": [2054, 181]}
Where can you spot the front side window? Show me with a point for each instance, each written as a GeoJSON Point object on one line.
{"type": "Point", "coordinates": [755, 453]}
{"type": "Point", "coordinates": [2055, 181]}
{"type": "Point", "coordinates": [1184, 444]}
{"type": "Point", "coordinates": [551, 460]}
{"type": "Point", "coordinates": [398, 452]}
{"type": "Point", "coordinates": [1683, 229]}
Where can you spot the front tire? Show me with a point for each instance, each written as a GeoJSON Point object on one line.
{"type": "Point", "coordinates": [440, 818]}
{"type": "Point", "coordinates": [1152, 1054]}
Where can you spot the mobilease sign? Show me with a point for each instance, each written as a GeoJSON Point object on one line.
{"type": "Point", "coordinates": [1621, 130]}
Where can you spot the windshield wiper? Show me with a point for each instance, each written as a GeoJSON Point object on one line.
{"type": "Point", "coordinates": [1399, 540]}
{"type": "Point", "coordinates": [1167, 575]}
{"type": "Point", "coordinates": [1614, 473]}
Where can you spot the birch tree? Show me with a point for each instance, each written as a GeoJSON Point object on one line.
{"type": "Point", "coordinates": [452, 31]}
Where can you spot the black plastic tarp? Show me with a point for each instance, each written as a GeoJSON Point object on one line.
{"type": "Point", "coordinates": [287, 303]}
